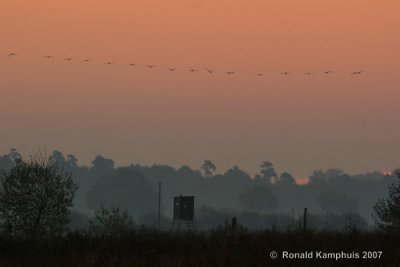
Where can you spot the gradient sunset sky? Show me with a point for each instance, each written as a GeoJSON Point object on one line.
{"type": "Point", "coordinates": [137, 115]}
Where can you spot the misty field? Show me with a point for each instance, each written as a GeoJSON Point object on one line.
{"type": "Point", "coordinates": [218, 247]}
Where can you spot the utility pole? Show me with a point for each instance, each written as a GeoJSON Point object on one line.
{"type": "Point", "coordinates": [305, 220]}
{"type": "Point", "coordinates": [159, 205]}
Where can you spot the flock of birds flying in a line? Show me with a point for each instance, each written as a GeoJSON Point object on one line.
{"type": "Point", "coordinates": [209, 70]}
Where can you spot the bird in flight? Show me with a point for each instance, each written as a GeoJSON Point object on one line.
{"type": "Point", "coordinates": [48, 56]}
{"type": "Point", "coordinates": [285, 73]}
{"type": "Point", "coordinates": [108, 63]}
{"type": "Point", "coordinates": [260, 74]}
{"type": "Point", "coordinates": [230, 72]}
{"type": "Point", "coordinates": [192, 70]}
{"type": "Point", "coordinates": [210, 71]}
{"type": "Point", "coordinates": [356, 72]}
{"type": "Point", "coordinates": [328, 72]}
{"type": "Point", "coordinates": [151, 66]}
{"type": "Point", "coordinates": [132, 64]}
{"type": "Point", "coordinates": [86, 60]}
{"type": "Point", "coordinates": [12, 55]}
{"type": "Point", "coordinates": [308, 73]}
{"type": "Point", "coordinates": [69, 59]}
{"type": "Point", "coordinates": [172, 69]}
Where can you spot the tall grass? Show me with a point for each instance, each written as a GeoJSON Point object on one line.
{"type": "Point", "coordinates": [222, 246]}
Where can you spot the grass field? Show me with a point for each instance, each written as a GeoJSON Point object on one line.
{"type": "Point", "coordinates": [219, 247]}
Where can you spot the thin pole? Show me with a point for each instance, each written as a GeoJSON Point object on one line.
{"type": "Point", "coordinates": [305, 219]}
{"type": "Point", "coordinates": [159, 205]}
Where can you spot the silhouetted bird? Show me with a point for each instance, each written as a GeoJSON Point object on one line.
{"type": "Point", "coordinates": [151, 66]}
{"type": "Point", "coordinates": [192, 70]}
{"type": "Point", "coordinates": [285, 73]}
{"type": "Point", "coordinates": [328, 72]}
{"type": "Point", "coordinates": [210, 71]}
{"type": "Point", "coordinates": [69, 59]}
{"type": "Point", "coordinates": [12, 55]}
{"type": "Point", "coordinates": [172, 69]}
{"type": "Point", "coordinates": [260, 74]}
{"type": "Point", "coordinates": [86, 60]}
{"type": "Point", "coordinates": [230, 72]}
{"type": "Point", "coordinates": [356, 72]}
{"type": "Point", "coordinates": [132, 64]}
{"type": "Point", "coordinates": [48, 56]}
{"type": "Point", "coordinates": [308, 73]}
{"type": "Point", "coordinates": [108, 63]}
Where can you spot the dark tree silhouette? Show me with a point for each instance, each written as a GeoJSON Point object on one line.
{"type": "Point", "coordinates": [126, 188]}
{"type": "Point", "coordinates": [208, 168]}
{"type": "Point", "coordinates": [317, 178]}
{"type": "Point", "coordinates": [71, 163]}
{"type": "Point", "coordinates": [237, 174]}
{"type": "Point", "coordinates": [35, 197]}
{"type": "Point", "coordinates": [259, 198]}
{"type": "Point", "coordinates": [8, 161]}
{"type": "Point", "coordinates": [58, 157]}
{"type": "Point", "coordinates": [333, 201]}
{"type": "Point", "coordinates": [103, 164]}
{"type": "Point", "coordinates": [268, 171]}
{"type": "Point", "coordinates": [286, 179]}
{"type": "Point", "coordinates": [387, 211]}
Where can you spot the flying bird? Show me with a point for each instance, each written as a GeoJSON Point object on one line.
{"type": "Point", "coordinates": [192, 70]}
{"type": "Point", "coordinates": [210, 71]}
{"type": "Point", "coordinates": [356, 72]}
{"type": "Point", "coordinates": [328, 72]}
{"type": "Point", "coordinates": [108, 63]}
{"type": "Point", "coordinates": [132, 64]}
{"type": "Point", "coordinates": [86, 60]}
{"type": "Point", "coordinates": [12, 55]}
{"type": "Point", "coordinates": [308, 73]}
{"type": "Point", "coordinates": [48, 56]}
{"type": "Point", "coordinates": [260, 74]}
{"type": "Point", "coordinates": [151, 66]}
{"type": "Point", "coordinates": [230, 72]}
{"type": "Point", "coordinates": [285, 73]}
{"type": "Point", "coordinates": [172, 69]}
{"type": "Point", "coordinates": [69, 59]}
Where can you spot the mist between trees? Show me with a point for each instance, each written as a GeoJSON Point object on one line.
{"type": "Point", "coordinates": [270, 199]}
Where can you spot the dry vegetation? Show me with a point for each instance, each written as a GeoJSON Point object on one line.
{"type": "Point", "coordinates": [218, 247]}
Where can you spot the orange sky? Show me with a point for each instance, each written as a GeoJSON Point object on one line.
{"type": "Point", "coordinates": [154, 116]}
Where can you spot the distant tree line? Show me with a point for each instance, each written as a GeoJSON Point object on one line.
{"type": "Point", "coordinates": [267, 199]}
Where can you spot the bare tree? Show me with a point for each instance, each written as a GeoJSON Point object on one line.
{"type": "Point", "coordinates": [35, 197]}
